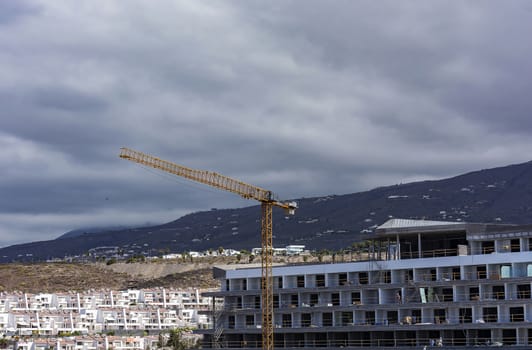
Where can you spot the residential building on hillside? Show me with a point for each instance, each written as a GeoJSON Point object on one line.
{"type": "Point", "coordinates": [101, 311]}
{"type": "Point", "coordinates": [451, 284]}
{"type": "Point", "coordinates": [86, 342]}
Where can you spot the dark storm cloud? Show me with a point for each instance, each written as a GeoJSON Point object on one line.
{"type": "Point", "coordinates": [472, 60]}
{"type": "Point", "coordinates": [304, 98]}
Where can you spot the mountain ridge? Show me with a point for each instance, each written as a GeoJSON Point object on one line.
{"type": "Point", "coordinates": [502, 194]}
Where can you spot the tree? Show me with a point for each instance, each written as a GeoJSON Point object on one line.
{"type": "Point", "coordinates": [160, 341]}
{"type": "Point", "coordinates": [176, 340]}
{"type": "Point", "coordinates": [322, 253]}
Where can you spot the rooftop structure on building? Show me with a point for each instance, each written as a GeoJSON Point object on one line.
{"type": "Point", "coordinates": [422, 284]}
{"type": "Point", "coordinates": [288, 250]}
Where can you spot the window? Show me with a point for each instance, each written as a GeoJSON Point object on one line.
{"type": "Point", "coordinates": [342, 279]}
{"type": "Point", "coordinates": [363, 278]}
{"type": "Point", "coordinates": [433, 274]}
{"type": "Point", "coordinates": [257, 302]}
{"type": "Point", "coordinates": [244, 284]}
{"type": "Point", "coordinates": [231, 322]}
{"type": "Point", "coordinates": [447, 294]}
{"type": "Point", "coordinates": [498, 292]}
{"type": "Point", "coordinates": [392, 317]}
{"type": "Point", "coordinates": [523, 291]}
{"type": "Point", "coordinates": [509, 336]}
{"type": "Point", "coordinates": [327, 319]}
{"type": "Point", "coordinates": [488, 247]}
{"type": "Point", "coordinates": [370, 317]}
{"type": "Point", "coordinates": [320, 280]}
{"type": "Point", "coordinates": [481, 272]}
{"type": "Point", "coordinates": [506, 271]}
{"type": "Point", "coordinates": [517, 314]}
{"type": "Point", "coordinates": [275, 301]}
{"type": "Point", "coordinates": [409, 275]}
{"type": "Point", "coordinates": [473, 293]}
{"type": "Point", "coordinates": [305, 320]}
{"type": "Point", "coordinates": [280, 282]}
{"type": "Point", "coordinates": [439, 316]}
{"type": "Point", "coordinates": [347, 318]}
{"type": "Point", "coordinates": [459, 337]}
{"type": "Point", "coordinates": [387, 277]}
{"type": "Point", "coordinates": [300, 281]}
{"type": "Point", "coordinates": [484, 336]}
{"type": "Point", "coordinates": [335, 299]}
{"type": "Point", "coordinates": [294, 300]}
{"type": "Point", "coordinates": [355, 297]}
{"type": "Point", "coordinates": [313, 300]}
{"type": "Point", "coordinates": [515, 245]}
{"type": "Point", "coordinates": [416, 315]}
{"type": "Point", "coordinates": [287, 320]}
{"type": "Point", "coordinates": [466, 315]}
{"type": "Point", "coordinates": [490, 314]}
{"type": "Point", "coordinates": [250, 320]}
{"type": "Point", "coordinates": [456, 273]}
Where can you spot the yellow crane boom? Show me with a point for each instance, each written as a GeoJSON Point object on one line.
{"type": "Point", "coordinates": [247, 191]}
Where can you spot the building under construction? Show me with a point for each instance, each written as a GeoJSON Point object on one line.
{"type": "Point", "coordinates": [425, 283]}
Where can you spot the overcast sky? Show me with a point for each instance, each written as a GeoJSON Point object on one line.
{"type": "Point", "coordinates": [306, 98]}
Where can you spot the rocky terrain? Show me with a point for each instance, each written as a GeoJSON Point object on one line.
{"type": "Point", "coordinates": [58, 277]}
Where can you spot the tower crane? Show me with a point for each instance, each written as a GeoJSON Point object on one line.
{"type": "Point", "coordinates": [246, 191]}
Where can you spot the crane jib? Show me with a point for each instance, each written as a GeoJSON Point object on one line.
{"type": "Point", "coordinates": [202, 176]}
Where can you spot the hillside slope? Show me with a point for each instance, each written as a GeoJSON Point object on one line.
{"type": "Point", "coordinates": [494, 195]}
{"type": "Point", "coordinates": [63, 277]}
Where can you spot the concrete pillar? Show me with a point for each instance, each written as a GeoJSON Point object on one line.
{"type": "Point", "coordinates": [125, 319]}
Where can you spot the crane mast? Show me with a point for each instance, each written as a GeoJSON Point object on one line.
{"type": "Point", "coordinates": [246, 191]}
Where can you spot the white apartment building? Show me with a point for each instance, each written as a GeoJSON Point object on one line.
{"type": "Point", "coordinates": [89, 343]}
{"type": "Point", "coordinates": [100, 311]}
